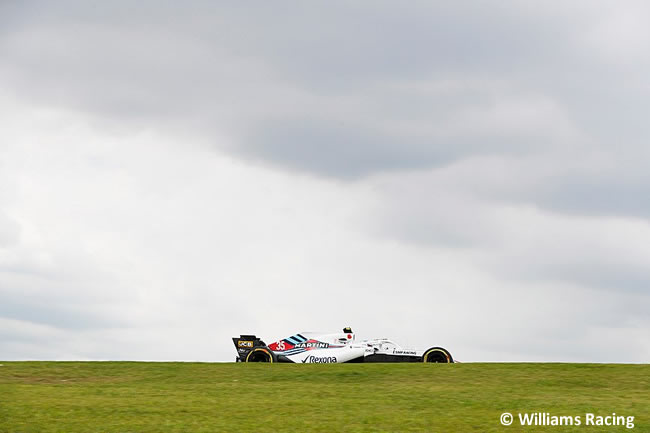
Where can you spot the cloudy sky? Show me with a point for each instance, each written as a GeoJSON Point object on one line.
{"type": "Point", "coordinates": [473, 175]}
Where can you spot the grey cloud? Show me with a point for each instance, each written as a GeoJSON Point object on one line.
{"type": "Point", "coordinates": [336, 149]}
{"type": "Point", "coordinates": [605, 272]}
{"type": "Point", "coordinates": [60, 312]}
{"type": "Point", "coordinates": [601, 195]}
{"type": "Point", "coordinates": [348, 91]}
{"type": "Point", "coordinates": [212, 65]}
{"type": "Point", "coordinates": [63, 298]}
{"type": "Point", "coordinates": [584, 181]}
{"type": "Point", "coordinates": [410, 132]}
{"type": "Point", "coordinates": [507, 235]}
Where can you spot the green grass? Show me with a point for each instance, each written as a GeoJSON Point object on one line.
{"type": "Point", "coordinates": [195, 397]}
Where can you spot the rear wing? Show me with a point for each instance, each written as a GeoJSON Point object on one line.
{"type": "Point", "coordinates": [244, 344]}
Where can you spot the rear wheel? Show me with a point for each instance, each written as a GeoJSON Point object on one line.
{"type": "Point", "coordinates": [260, 354]}
{"type": "Point", "coordinates": [437, 355]}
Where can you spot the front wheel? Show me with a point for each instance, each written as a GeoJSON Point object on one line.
{"type": "Point", "coordinates": [438, 355]}
{"type": "Point", "coordinates": [260, 354]}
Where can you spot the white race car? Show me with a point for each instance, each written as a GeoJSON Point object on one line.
{"type": "Point", "coordinates": [313, 347]}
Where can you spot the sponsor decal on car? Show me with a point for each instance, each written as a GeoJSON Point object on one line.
{"type": "Point", "coordinates": [404, 352]}
{"type": "Point", "coordinates": [319, 360]}
{"type": "Point", "coordinates": [312, 344]}
{"type": "Point", "coordinates": [243, 343]}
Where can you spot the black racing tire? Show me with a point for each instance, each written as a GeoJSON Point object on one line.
{"type": "Point", "coordinates": [261, 354]}
{"type": "Point", "coordinates": [437, 355]}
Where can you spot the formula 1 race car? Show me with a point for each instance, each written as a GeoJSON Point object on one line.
{"type": "Point", "coordinates": [312, 347]}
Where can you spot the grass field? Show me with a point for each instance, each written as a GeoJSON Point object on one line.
{"type": "Point", "coordinates": [197, 397]}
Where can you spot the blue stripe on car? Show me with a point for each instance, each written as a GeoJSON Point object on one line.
{"type": "Point", "coordinates": [294, 351]}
